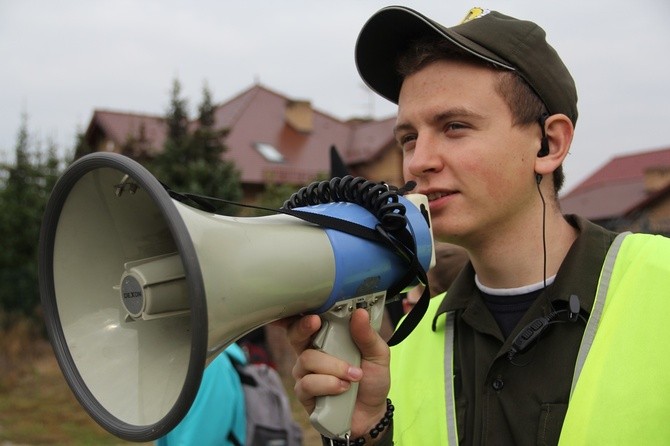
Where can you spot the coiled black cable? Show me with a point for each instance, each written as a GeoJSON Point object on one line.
{"type": "Point", "coordinates": [382, 201]}
{"type": "Point", "coordinates": [379, 198]}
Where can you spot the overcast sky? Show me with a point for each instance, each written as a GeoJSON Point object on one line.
{"type": "Point", "coordinates": [60, 60]}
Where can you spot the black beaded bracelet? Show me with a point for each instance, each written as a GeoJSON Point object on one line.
{"type": "Point", "coordinates": [374, 432]}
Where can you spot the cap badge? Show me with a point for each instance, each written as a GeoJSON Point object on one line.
{"type": "Point", "coordinates": [475, 13]}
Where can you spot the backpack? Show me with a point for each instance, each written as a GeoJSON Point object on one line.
{"type": "Point", "coordinates": [269, 418]}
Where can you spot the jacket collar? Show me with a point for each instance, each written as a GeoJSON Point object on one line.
{"type": "Point", "coordinates": [578, 273]}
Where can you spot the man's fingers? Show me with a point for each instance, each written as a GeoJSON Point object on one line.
{"type": "Point", "coordinates": [319, 374]}
{"type": "Point", "coordinates": [369, 342]}
{"type": "Point", "coordinates": [315, 385]}
{"type": "Point", "coordinates": [301, 330]}
{"type": "Point", "coordinates": [312, 361]}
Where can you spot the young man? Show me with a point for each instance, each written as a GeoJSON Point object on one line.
{"type": "Point", "coordinates": [557, 329]}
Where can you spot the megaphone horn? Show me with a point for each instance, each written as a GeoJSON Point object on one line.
{"type": "Point", "coordinates": [140, 290]}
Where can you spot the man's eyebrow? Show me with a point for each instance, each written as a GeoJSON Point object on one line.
{"type": "Point", "coordinates": [457, 112]}
{"type": "Point", "coordinates": [403, 127]}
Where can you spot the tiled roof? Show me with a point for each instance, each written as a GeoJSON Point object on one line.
{"type": "Point", "coordinates": [259, 115]}
{"type": "Point", "coordinates": [121, 126]}
{"type": "Point", "coordinates": [367, 138]}
{"type": "Point", "coordinates": [616, 188]}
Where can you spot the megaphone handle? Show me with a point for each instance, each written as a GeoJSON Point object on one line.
{"type": "Point", "coordinates": [332, 414]}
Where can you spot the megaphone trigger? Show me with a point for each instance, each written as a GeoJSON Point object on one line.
{"type": "Point", "coordinates": [332, 414]}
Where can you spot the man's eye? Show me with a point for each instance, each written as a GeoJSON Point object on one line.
{"type": "Point", "coordinates": [407, 143]}
{"type": "Point", "coordinates": [406, 139]}
{"type": "Point", "coordinates": [455, 126]}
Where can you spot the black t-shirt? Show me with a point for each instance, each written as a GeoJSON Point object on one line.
{"type": "Point", "coordinates": [508, 310]}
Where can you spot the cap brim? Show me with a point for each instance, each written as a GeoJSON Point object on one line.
{"type": "Point", "coordinates": [389, 33]}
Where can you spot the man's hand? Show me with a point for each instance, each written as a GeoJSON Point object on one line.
{"type": "Point", "coordinates": [318, 374]}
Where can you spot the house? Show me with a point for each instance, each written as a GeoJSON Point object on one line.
{"type": "Point", "coordinates": [631, 192]}
{"type": "Point", "coordinates": [272, 139]}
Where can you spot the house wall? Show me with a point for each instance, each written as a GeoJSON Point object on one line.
{"type": "Point", "coordinates": [387, 167]}
{"type": "Point", "coordinates": [653, 220]}
{"type": "Point", "coordinates": [106, 145]}
{"type": "Point", "coordinates": [661, 216]}
{"type": "Point", "coordinates": [656, 178]}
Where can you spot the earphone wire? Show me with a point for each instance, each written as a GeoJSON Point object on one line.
{"type": "Point", "coordinates": [544, 151]}
{"type": "Point", "coordinates": [544, 235]}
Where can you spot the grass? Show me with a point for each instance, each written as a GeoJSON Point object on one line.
{"type": "Point", "coordinates": [37, 406]}
{"type": "Point", "coordinates": [40, 409]}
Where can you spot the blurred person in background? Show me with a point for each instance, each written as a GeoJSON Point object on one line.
{"type": "Point", "coordinates": [217, 416]}
{"type": "Point", "coordinates": [449, 261]}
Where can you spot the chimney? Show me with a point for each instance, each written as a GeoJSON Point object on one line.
{"type": "Point", "coordinates": [299, 116]}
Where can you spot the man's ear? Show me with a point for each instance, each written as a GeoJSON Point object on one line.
{"type": "Point", "coordinates": [559, 132]}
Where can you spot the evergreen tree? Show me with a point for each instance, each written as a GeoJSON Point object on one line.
{"type": "Point", "coordinates": [23, 196]}
{"type": "Point", "coordinates": [50, 168]}
{"type": "Point", "coordinates": [206, 109]}
{"type": "Point", "coordinates": [275, 194]}
{"type": "Point", "coordinates": [193, 161]}
{"type": "Point", "coordinates": [177, 116]}
{"type": "Point", "coordinates": [81, 146]}
{"type": "Point", "coordinates": [273, 197]}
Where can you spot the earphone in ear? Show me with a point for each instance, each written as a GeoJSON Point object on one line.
{"type": "Point", "coordinates": [538, 177]}
{"type": "Point", "coordinates": [544, 143]}
{"type": "Point", "coordinates": [544, 148]}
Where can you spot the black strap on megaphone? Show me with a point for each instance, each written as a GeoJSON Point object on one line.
{"type": "Point", "coordinates": [382, 201]}
{"type": "Point", "coordinates": [378, 198]}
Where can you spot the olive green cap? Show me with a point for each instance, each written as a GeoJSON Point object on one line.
{"type": "Point", "coordinates": [510, 43]}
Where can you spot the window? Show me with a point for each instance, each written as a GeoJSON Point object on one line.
{"type": "Point", "coordinates": [269, 152]}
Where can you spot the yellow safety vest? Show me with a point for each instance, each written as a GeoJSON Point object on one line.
{"type": "Point", "coordinates": [621, 384]}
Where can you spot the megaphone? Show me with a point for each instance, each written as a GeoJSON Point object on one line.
{"type": "Point", "coordinates": [140, 291]}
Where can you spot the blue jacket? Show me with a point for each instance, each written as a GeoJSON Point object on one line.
{"type": "Point", "coordinates": [218, 408]}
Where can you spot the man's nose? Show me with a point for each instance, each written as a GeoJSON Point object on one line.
{"type": "Point", "coordinates": [425, 156]}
